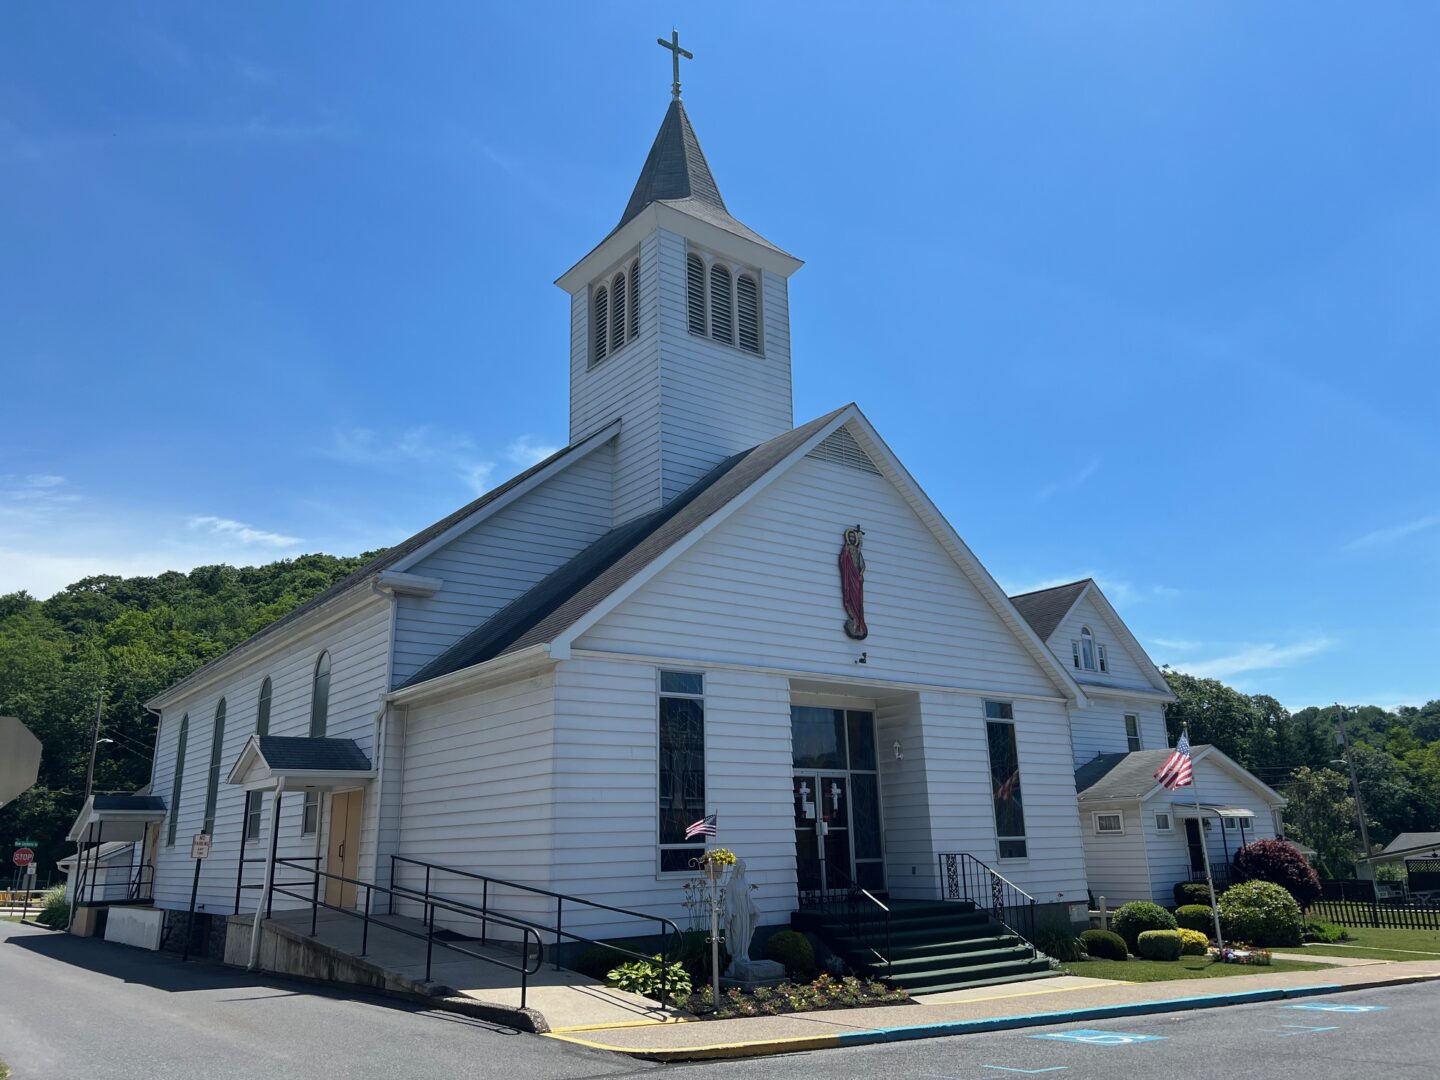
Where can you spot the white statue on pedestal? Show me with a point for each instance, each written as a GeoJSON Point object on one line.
{"type": "Point", "coordinates": [741, 915]}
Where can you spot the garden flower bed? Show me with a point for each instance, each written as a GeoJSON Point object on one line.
{"type": "Point", "coordinates": [826, 992]}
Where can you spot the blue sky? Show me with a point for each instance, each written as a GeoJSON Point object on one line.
{"type": "Point", "coordinates": [1144, 292]}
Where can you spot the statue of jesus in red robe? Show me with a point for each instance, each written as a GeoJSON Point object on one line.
{"type": "Point", "coordinates": [852, 584]}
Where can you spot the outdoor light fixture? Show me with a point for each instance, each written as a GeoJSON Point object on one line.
{"type": "Point", "coordinates": [899, 751]}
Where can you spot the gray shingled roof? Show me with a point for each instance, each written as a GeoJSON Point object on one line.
{"type": "Point", "coordinates": [1122, 776]}
{"type": "Point", "coordinates": [386, 559]}
{"type": "Point", "coordinates": [676, 174]}
{"type": "Point", "coordinates": [1044, 608]}
{"type": "Point", "coordinates": [289, 753]}
{"type": "Point", "coordinates": [1407, 840]}
{"type": "Point", "coordinates": [567, 594]}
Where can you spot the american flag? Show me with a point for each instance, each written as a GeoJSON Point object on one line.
{"type": "Point", "coordinates": [1177, 771]}
{"type": "Point", "coordinates": [706, 826]}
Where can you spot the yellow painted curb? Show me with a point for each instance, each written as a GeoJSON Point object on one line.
{"type": "Point", "coordinates": [714, 1051]}
{"type": "Point", "coordinates": [623, 1024]}
{"type": "Point", "coordinates": [1026, 993]}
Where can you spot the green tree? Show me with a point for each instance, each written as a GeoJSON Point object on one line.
{"type": "Point", "coordinates": [1321, 814]}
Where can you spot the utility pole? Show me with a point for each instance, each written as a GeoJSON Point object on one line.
{"type": "Point", "coordinates": [1354, 779]}
{"type": "Point", "coordinates": [95, 741]}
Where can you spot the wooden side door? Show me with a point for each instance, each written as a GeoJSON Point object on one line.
{"type": "Point", "coordinates": [343, 854]}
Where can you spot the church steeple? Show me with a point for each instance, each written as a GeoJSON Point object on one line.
{"type": "Point", "coordinates": [680, 327]}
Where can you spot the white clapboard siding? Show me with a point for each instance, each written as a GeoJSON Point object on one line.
{"type": "Point", "coordinates": [625, 384]}
{"type": "Point", "coordinates": [500, 558]}
{"type": "Point", "coordinates": [957, 774]}
{"type": "Point", "coordinates": [477, 793]}
{"type": "Point", "coordinates": [1169, 855]}
{"type": "Point", "coordinates": [716, 399]}
{"type": "Point", "coordinates": [1100, 728]}
{"type": "Point", "coordinates": [1116, 865]}
{"type": "Point", "coordinates": [1124, 669]}
{"type": "Point", "coordinates": [606, 776]}
{"type": "Point", "coordinates": [905, 803]}
{"type": "Point", "coordinates": [763, 590]}
{"type": "Point", "coordinates": [358, 646]}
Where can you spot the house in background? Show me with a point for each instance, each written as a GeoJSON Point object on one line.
{"type": "Point", "coordinates": [1140, 839]}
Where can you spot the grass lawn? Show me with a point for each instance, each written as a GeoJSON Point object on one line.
{"type": "Point", "coordinates": [1187, 967]}
{"type": "Point", "coordinates": [1384, 945]}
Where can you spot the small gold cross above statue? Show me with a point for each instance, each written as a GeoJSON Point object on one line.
{"type": "Point", "coordinates": [676, 53]}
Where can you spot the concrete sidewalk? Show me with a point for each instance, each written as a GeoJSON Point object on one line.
{"type": "Point", "coordinates": [1027, 1005]}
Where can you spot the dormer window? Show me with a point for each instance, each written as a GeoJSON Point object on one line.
{"type": "Point", "coordinates": [615, 311]}
{"type": "Point", "coordinates": [723, 302]}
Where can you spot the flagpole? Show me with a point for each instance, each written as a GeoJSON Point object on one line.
{"type": "Point", "coordinates": [1204, 847]}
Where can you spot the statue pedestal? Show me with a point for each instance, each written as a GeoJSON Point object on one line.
{"type": "Point", "coordinates": [748, 974]}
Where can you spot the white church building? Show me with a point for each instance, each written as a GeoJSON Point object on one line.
{"type": "Point", "coordinates": [696, 607]}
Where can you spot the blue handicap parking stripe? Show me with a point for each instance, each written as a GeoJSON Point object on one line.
{"type": "Point", "coordinates": [1330, 1006]}
{"type": "Point", "coordinates": [1095, 1037]}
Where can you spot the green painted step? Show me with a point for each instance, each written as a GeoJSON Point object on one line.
{"type": "Point", "coordinates": [930, 946]}
{"type": "Point", "coordinates": [927, 982]}
{"type": "Point", "coordinates": [1013, 953]}
{"type": "Point", "coordinates": [1000, 980]}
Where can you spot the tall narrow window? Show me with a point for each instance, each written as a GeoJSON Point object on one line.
{"type": "Point", "coordinates": [1100, 659]}
{"type": "Point", "coordinates": [262, 712]}
{"type": "Point", "coordinates": [179, 776]}
{"type": "Point", "coordinates": [212, 783]}
{"type": "Point", "coordinates": [617, 313]}
{"type": "Point", "coordinates": [695, 292]}
{"type": "Point", "coordinates": [1075, 654]}
{"type": "Point", "coordinates": [1132, 732]}
{"type": "Point", "coordinates": [682, 766]}
{"type": "Point", "coordinates": [252, 814]}
{"type": "Point", "coordinates": [634, 304]}
{"type": "Point", "coordinates": [1087, 649]}
{"type": "Point", "coordinates": [320, 697]}
{"type": "Point", "coordinates": [747, 312]}
{"type": "Point", "coordinates": [600, 325]}
{"type": "Point", "coordinates": [1005, 780]}
{"type": "Point", "coordinates": [310, 813]}
{"type": "Point", "coordinates": [722, 323]}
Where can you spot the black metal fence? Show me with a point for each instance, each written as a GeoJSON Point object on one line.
{"type": "Point", "coordinates": [1372, 914]}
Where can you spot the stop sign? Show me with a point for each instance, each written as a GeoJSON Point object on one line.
{"type": "Point", "coordinates": [23, 856]}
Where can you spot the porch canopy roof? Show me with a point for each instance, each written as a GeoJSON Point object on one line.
{"type": "Point", "coordinates": [1210, 810]}
{"type": "Point", "coordinates": [115, 817]}
{"type": "Point", "coordinates": [317, 764]}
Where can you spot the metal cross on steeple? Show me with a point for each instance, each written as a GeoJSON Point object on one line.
{"type": "Point", "coordinates": [676, 53]}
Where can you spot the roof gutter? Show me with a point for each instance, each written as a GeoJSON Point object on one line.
{"type": "Point", "coordinates": [504, 668]}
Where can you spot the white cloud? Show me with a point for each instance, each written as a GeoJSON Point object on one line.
{"type": "Point", "coordinates": [1394, 533]}
{"type": "Point", "coordinates": [245, 534]}
{"type": "Point", "coordinates": [1074, 480]}
{"type": "Point", "coordinates": [1264, 657]}
{"type": "Point", "coordinates": [1177, 645]}
{"type": "Point", "coordinates": [430, 446]}
{"type": "Point", "coordinates": [1118, 591]}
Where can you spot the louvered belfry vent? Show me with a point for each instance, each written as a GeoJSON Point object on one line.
{"type": "Point", "coordinates": [600, 325]}
{"type": "Point", "coordinates": [695, 292]}
{"type": "Point", "coordinates": [747, 312]}
{"type": "Point", "coordinates": [841, 448]}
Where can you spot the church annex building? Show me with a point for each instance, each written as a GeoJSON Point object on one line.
{"type": "Point", "coordinates": [696, 607]}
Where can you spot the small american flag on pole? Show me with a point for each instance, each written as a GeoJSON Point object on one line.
{"type": "Point", "coordinates": [707, 826]}
{"type": "Point", "coordinates": [1177, 772]}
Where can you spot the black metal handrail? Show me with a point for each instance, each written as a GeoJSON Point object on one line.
{"type": "Point", "coordinates": [964, 877]}
{"type": "Point", "coordinates": [670, 934]}
{"type": "Point", "coordinates": [240, 875]}
{"type": "Point", "coordinates": [527, 931]}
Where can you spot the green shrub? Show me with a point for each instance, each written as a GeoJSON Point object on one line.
{"type": "Point", "coordinates": [1136, 917]}
{"type": "Point", "coordinates": [643, 977]}
{"type": "Point", "coordinates": [1193, 942]}
{"type": "Point", "coordinates": [791, 949]}
{"type": "Point", "coordinates": [1391, 872]}
{"type": "Point", "coordinates": [54, 908]}
{"type": "Point", "coordinates": [1060, 943]}
{"type": "Point", "coordinates": [1192, 892]}
{"type": "Point", "coordinates": [1195, 917]}
{"type": "Point", "coordinates": [695, 955]}
{"type": "Point", "coordinates": [1260, 913]}
{"type": "Point", "coordinates": [599, 960]}
{"type": "Point", "coordinates": [1159, 944]}
{"type": "Point", "coordinates": [1324, 932]}
{"type": "Point", "coordinates": [1281, 864]}
{"type": "Point", "coordinates": [1104, 945]}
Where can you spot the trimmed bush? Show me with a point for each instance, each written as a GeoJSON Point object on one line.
{"type": "Point", "coordinates": [1060, 943]}
{"type": "Point", "coordinates": [1324, 932]}
{"type": "Point", "coordinates": [1279, 863]}
{"type": "Point", "coordinates": [1134, 918]}
{"type": "Point", "coordinates": [1160, 944]}
{"type": "Point", "coordinates": [791, 949]}
{"type": "Point", "coordinates": [1104, 945]}
{"type": "Point", "coordinates": [1260, 913]}
{"type": "Point", "coordinates": [1193, 942]}
{"type": "Point", "coordinates": [1192, 892]}
{"type": "Point", "coordinates": [54, 908]}
{"type": "Point", "coordinates": [1195, 917]}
